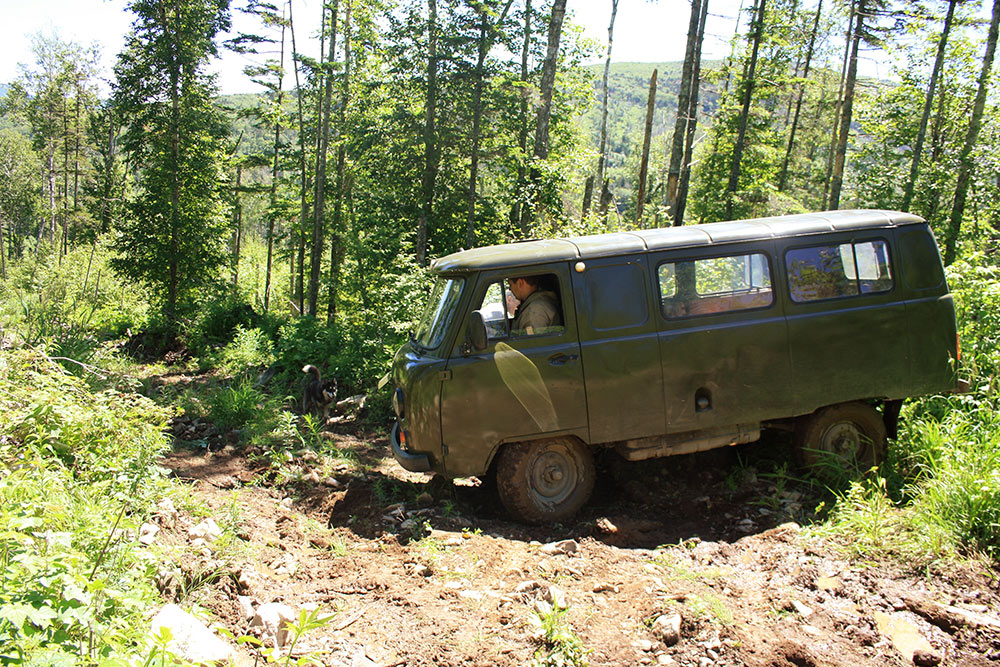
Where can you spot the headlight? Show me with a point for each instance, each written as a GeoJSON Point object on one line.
{"type": "Point", "coordinates": [397, 402]}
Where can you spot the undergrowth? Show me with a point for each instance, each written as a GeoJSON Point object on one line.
{"type": "Point", "coordinates": [938, 495]}
{"type": "Point", "coordinates": [77, 478]}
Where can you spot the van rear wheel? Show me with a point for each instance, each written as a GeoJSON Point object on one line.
{"type": "Point", "coordinates": [545, 480]}
{"type": "Point", "coordinates": [846, 437]}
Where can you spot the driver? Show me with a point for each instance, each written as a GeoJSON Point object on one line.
{"type": "Point", "coordinates": [539, 308]}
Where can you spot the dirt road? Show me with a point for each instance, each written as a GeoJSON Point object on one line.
{"type": "Point", "coordinates": [421, 572]}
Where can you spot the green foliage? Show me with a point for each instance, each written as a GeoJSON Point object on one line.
{"type": "Point", "coordinates": [235, 406]}
{"type": "Point", "coordinates": [941, 493]}
{"type": "Point", "coordinates": [561, 646]}
{"type": "Point", "coordinates": [173, 237]}
{"type": "Point", "coordinates": [77, 476]}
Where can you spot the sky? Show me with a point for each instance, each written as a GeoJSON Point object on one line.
{"type": "Point", "coordinates": [645, 31]}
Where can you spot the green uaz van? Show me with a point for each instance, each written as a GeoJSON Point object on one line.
{"type": "Point", "coordinates": [669, 341]}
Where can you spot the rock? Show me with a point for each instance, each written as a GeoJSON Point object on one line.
{"type": "Point", "coordinates": [644, 645]}
{"type": "Point", "coordinates": [331, 482]}
{"type": "Point", "coordinates": [605, 588]}
{"type": "Point", "coordinates": [542, 608]}
{"type": "Point", "coordinates": [248, 579]}
{"type": "Point", "coordinates": [208, 531]}
{"type": "Point", "coordinates": [246, 606]}
{"type": "Point", "coordinates": [668, 628]}
{"type": "Point", "coordinates": [562, 547]}
{"type": "Point", "coordinates": [273, 619]}
{"type": "Point", "coordinates": [420, 570]}
{"type": "Point", "coordinates": [904, 635]}
{"type": "Point", "coordinates": [802, 609]}
{"type": "Point", "coordinates": [425, 499]}
{"type": "Point", "coordinates": [352, 403]}
{"type": "Point", "coordinates": [312, 477]}
{"type": "Point", "coordinates": [605, 526]}
{"type": "Point", "coordinates": [664, 659]}
{"type": "Point", "coordinates": [166, 512]}
{"type": "Point", "coordinates": [526, 586]}
{"type": "Point", "coordinates": [471, 595]}
{"type": "Point", "coordinates": [828, 584]}
{"type": "Point", "coordinates": [147, 533]}
{"type": "Point", "coordinates": [190, 639]}
{"type": "Point", "coordinates": [922, 658]}
{"type": "Point", "coordinates": [556, 596]}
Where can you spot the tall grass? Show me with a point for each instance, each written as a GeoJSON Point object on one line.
{"type": "Point", "coordinates": [940, 494]}
{"type": "Point", "coordinates": [77, 478]}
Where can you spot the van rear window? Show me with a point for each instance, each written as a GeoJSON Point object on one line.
{"type": "Point", "coordinates": [715, 285]}
{"type": "Point", "coordinates": [833, 271]}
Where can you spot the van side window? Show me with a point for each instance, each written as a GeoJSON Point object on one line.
{"type": "Point", "coordinates": [616, 296]}
{"type": "Point", "coordinates": [540, 311]}
{"type": "Point", "coordinates": [921, 261]}
{"type": "Point", "coordinates": [838, 270]}
{"type": "Point", "coordinates": [715, 285]}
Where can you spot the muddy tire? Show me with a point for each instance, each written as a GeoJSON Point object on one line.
{"type": "Point", "coordinates": [849, 437]}
{"type": "Point", "coordinates": [545, 480]}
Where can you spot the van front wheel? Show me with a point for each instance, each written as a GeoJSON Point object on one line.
{"type": "Point", "coordinates": [545, 480]}
{"type": "Point", "coordinates": [850, 435]}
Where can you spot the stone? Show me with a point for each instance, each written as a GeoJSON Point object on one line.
{"type": "Point", "coordinates": [248, 579]}
{"type": "Point", "coordinates": [828, 584]}
{"type": "Point", "coordinates": [190, 639]}
{"type": "Point", "coordinates": [147, 533]}
{"type": "Point", "coordinates": [668, 628]}
{"type": "Point", "coordinates": [802, 609]}
{"type": "Point", "coordinates": [605, 525]}
{"type": "Point", "coordinates": [562, 547]}
{"type": "Point", "coordinates": [166, 512]}
{"type": "Point", "coordinates": [556, 596]}
{"type": "Point", "coordinates": [420, 569]}
{"type": "Point", "coordinates": [665, 659]}
{"type": "Point", "coordinates": [605, 588]}
{"type": "Point", "coordinates": [208, 531]}
{"type": "Point", "coordinates": [644, 645]}
{"type": "Point", "coordinates": [922, 658]}
{"type": "Point", "coordinates": [425, 499]}
{"type": "Point", "coordinates": [246, 606]}
{"type": "Point", "coordinates": [273, 619]}
{"type": "Point", "coordinates": [526, 586]}
{"type": "Point", "coordinates": [904, 635]}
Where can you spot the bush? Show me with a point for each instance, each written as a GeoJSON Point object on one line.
{"type": "Point", "coordinates": [77, 476]}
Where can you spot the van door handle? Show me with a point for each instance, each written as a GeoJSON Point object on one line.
{"type": "Point", "coordinates": [560, 359]}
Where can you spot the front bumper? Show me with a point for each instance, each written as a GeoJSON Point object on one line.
{"type": "Point", "coordinates": [411, 462]}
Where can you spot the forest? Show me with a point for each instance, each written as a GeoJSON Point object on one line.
{"type": "Point", "coordinates": [152, 228]}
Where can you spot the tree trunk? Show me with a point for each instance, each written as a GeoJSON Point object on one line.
{"type": "Point", "coordinates": [683, 106]}
{"type": "Point", "coordinates": [548, 80]}
{"type": "Point", "coordinates": [783, 178]}
{"type": "Point", "coordinates": [303, 202]}
{"type": "Point", "coordinates": [477, 119]}
{"type": "Point", "coordinates": [918, 147]}
{"type": "Point", "coordinates": [971, 136]}
{"type": "Point", "coordinates": [273, 194]}
{"type": "Point", "coordinates": [541, 146]}
{"type": "Point", "coordinates": [644, 161]}
{"type": "Point", "coordinates": [237, 226]}
{"type": "Point", "coordinates": [840, 103]}
{"type": "Point", "coordinates": [602, 151]}
{"type": "Point", "coordinates": [336, 242]}
{"type": "Point", "coordinates": [748, 85]}
{"type": "Point", "coordinates": [692, 124]}
{"type": "Point", "coordinates": [522, 135]}
{"type": "Point", "coordinates": [430, 135]}
{"type": "Point", "coordinates": [837, 180]}
{"type": "Point", "coordinates": [319, 202]}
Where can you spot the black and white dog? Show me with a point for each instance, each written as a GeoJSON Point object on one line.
{"type": "Point", "coordinates": [318, 396]}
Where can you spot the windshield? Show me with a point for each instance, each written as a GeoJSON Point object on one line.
{"type": "Point", "coordinates": [438, 313]}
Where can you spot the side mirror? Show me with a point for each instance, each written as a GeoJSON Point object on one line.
{"type": "Point", "coordinates": [475, 331]}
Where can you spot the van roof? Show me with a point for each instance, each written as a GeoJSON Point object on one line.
{"type": "Point", "coordinates": [617, 243]}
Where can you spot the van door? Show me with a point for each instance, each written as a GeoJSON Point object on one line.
{"type": "Point", "coordinates": [847, 327]}
{"type": "Point", "coordinates": [723, 337]}
{"type": "Point", "coordinates": [621, 356]}
{"type": "Point", "coordinates": [521, 387]}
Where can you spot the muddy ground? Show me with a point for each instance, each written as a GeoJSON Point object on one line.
{"type": "Point", "coordinates": [418, 571]}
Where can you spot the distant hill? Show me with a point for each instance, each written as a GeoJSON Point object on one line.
{"type": "Point", "coordinates": [628, 91]}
